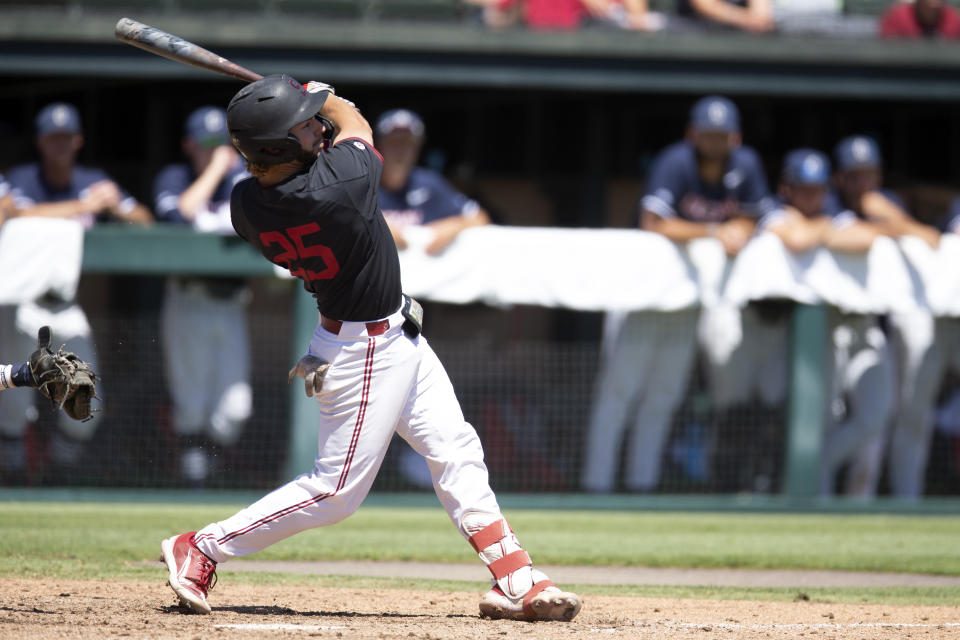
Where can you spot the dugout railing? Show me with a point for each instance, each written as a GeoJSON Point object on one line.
{"type": "Point", "coordinates": [170, 251]}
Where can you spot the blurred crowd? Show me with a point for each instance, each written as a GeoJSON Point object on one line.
{"type": "Point", "coordinates": [882, 377]}
{"type": "Point", "coordinates": [906, 19]}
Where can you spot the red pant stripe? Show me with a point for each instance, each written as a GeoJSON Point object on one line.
{"type": "Point", "coordinates": [361, 412]}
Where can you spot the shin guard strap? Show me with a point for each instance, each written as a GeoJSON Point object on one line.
{"type": "Point", "coordinates": [528, 611]}
{"type": "Point", "coordinates": [493, 532]}
{"type": "Point", "coordinates": [509, 563]}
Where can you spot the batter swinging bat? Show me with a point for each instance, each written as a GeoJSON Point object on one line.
{"type": "Point", "coordinates": [170, 46]}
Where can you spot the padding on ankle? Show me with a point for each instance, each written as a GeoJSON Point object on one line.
{"type": "Point", "coordinates": [509, 563]}
{"type": "Point", "coordinates": [493, 532]}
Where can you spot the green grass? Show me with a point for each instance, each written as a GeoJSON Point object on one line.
{"type": "Point", "coordinates": [112, 541]}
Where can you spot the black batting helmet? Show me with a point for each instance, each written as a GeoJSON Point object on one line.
{"type": "Point", "coordinates": [260, 116]}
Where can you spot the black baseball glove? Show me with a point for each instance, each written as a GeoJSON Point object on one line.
{"type": "Point", "coordinates": [63, 377]}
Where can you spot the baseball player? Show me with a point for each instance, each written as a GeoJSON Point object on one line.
{"type": "Point", "coordinates": [864, 383]}
{"type": "Point", "coordinates": [6, 200]}
{"type": "Point", "coordinates": [412, 196]}
{"type": "Point", "coordinates": [709, 185]}
{"type": "Point", "coordinates": [859, 376]}
{"type": "Point", "coordinates": [56, 187]}
{"type": "Point", "coordinates": [203, 319]}
{"type": "Point", "coordinates": [927, 348]}
{"type": "Point", "coordinates": [312, 208]}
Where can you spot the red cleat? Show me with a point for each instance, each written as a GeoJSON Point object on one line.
{"type": "Point", "coordinates": [192, 573]}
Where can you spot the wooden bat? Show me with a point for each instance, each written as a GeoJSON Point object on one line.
{"type": "Point", "coordinates": [170, 46]}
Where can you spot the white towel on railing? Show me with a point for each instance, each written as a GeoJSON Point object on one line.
{"type": "Point", "coordinates": [39, 256]}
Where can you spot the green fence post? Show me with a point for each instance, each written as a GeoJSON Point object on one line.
{"type": "Point", "coordinates": [807, 404]}
{"type": "Point", "coordinates": [302, 449]}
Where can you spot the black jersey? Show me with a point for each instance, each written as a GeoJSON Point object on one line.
{"type": "Point", "coordinates": [325, 226]}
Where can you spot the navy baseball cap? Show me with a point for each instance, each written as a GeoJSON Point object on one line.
{"type": "Point", "coordinates": [59, 117]}
{"type": "Point", "coordinates": [715, 113]}
{"type": "Point", "coordinates": [806, 167]}
{"type": "Point", "coordinates": [207, 126]}
{"type": "Point", "coordinates": [400, 119]}
{"type": "Point", "coordinates": [857, 152]}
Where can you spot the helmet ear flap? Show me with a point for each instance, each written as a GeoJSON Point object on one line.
{"type": "Point", "coordinates": [283, 151]}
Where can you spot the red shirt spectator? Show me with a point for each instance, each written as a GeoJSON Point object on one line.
{"type": "Point", "coordinates": [549, 14]}
{"type": "Point", "coordinates": [920, 19]}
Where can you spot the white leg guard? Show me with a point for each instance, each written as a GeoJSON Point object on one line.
{"type": "Point", "coordinates": [519, 591]}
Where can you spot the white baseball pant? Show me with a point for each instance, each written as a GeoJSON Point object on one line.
{"type": "Point", "coordinates": [376, 385]}
{"type": "Point", "coordinates": [206, 350]}
{"type": "Point", "coordinates": [863, 383]}
{"type": "Point", "coordinates": [756, 367]}
{"type": "Point", "coordinates": [647, 369]}
{"type": "Point", "coordinates": [926, 348]}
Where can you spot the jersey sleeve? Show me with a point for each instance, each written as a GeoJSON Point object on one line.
{"type": "Point", "coordinates": [664, 185]}
{"type": "Point", "coordinates": [951, 222]}
{"type": "Point", "coordinates": [4, 186]}
{"type": "Point", "coordinates": [23, 185]}
{"type": "Point", "coordinates": [754, 194]}
{"type": "Point", "coordinates": [445, 200]}
{"type": "Point", "coordinates": [354, 166]}
{"type": "Point", "coordinates": [169, 184]}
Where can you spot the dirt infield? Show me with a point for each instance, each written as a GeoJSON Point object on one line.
{"type": "Point", "coordinates": [31, 609]}
{"type": "Point", "coordinates": [607, 575]}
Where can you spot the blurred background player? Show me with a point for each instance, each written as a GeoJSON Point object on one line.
{"type": "Point", "coordinates": [864, 383]}
{"type": "Point", "coordinates": [203, 320]}
{"type": "Point", "coordinates": [926, 349]}
{"type": "Point", "coordinates": [417, 197]}
{"type": "Point", "coordinates": [419, 205]}
{"type": "Point", "coordinates": [6, 200]}
{"type": "Point", "coordinates": [708, 185]}
{"type": "Point", "coordinates": [858, 366]}
{"type": "Point", "coordinates": [56, 187]}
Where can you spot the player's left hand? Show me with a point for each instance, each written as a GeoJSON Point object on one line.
{"type": "Point", "coordinates": [313, 370]}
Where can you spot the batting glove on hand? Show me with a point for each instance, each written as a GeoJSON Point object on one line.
{"type": "Point", "coordinates": [315, 86]}
{"type": "Point", "coordinates": [313, 370]}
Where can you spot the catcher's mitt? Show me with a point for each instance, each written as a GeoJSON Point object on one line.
{"type": "Point", "coordinates": [63, 377]}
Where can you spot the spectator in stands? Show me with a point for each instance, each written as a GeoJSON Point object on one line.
{"type": "Point", "coordinates": [536, 14]}
{"type": "Point", "coordinates": [920, 19]}
{"type": "Point", "coordinates": [755, 16]}
{"type": "Point", "coordinates": [203, 320]}
{"type": "Point", "coordinates": [415, 199]}
{"type": "Point", "coordinates": [625, 14]}
{"type": "Point", "coordinates": [56, 187]}
{"type": "Point", "coordinates": [569, 14]}
{"type": "Point", "coordinates": [709, 185]}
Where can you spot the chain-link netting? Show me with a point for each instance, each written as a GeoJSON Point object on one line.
{"type": "Point", "coordinates": [542, 409]}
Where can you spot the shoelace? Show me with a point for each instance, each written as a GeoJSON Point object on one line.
{"type": "Point", "coordinates": [207, 579]}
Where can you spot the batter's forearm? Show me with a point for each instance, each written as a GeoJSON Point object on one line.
{"type": "Point", "coordinates": [65, 209]}
{"type": "Point", "coordinates": [349, 121]}
{"type": "Point", "coordinates": [674, 228]}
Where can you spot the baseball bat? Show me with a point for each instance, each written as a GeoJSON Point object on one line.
{"type": "Point", "coordinates": [170, 46]}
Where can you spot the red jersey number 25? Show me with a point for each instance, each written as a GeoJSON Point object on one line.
{"type": "Point", "coordinates": [295, 251]}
